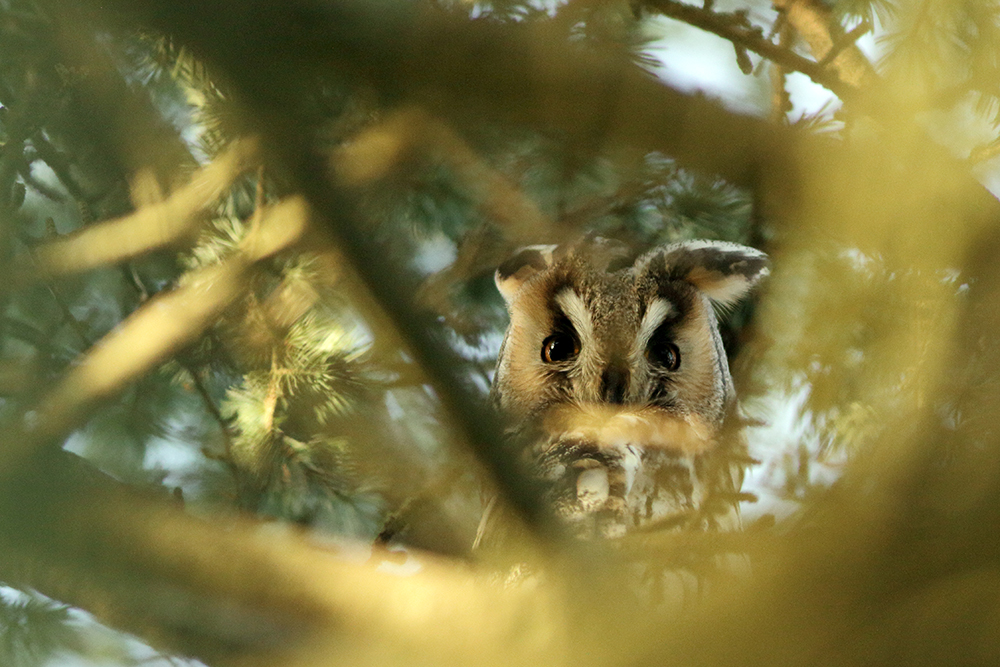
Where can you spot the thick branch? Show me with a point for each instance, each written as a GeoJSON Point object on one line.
{"type": "Point", "coordinates": [244, 595]}
{"type": "Point", "coordinates": [468, 71]}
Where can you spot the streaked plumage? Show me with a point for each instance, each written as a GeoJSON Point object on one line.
{"type": "Point", "coordinates": [616, 373]}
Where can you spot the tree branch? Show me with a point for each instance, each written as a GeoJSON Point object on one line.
{"type": "Point", "coordinates": [813, 20]}
{"type": "Point", "coordinates": [844, 41]}
{"type": "Point", "coordinates": [244, 595]}
{"type": "Point", "coordinates": [152, 226]}
{"type": "Point", "coordinates": [737, 29]}
{"type": "Point", "coordinates": [162, 326]}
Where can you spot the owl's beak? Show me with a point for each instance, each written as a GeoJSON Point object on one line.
{"type": "Point", "coordinates": [614, 383]}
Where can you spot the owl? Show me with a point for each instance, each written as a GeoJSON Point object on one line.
{"type": "Point", "coordinates": [614, 374]}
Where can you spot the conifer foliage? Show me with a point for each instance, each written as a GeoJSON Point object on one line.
{"type": "Point", "coordinates": [248, 324]}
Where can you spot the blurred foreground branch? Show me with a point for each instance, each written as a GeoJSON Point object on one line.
{"type": "Point", "coordinates": [160, 328]}
{"type": "Point", "coordinates": [736, 28]}
{"type": "Point", "coordinates": [897, 563]}
{"type": "Point", "coordinates": [150, 227]}
{"type": "Point", "coordinates": [247, 595]}
{"type": "Point", "coordinates": [814, 21]}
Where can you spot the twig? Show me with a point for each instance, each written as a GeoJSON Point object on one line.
{"type": "Point", "coordinates": [781, 103]}
{"type": "Point", "coordinates": [68, 317]}
{"type": "Point", "coordinates": [846, 40]}
{"type": "Point", "coordinates": [59, 164]}
{"type": "Point", "coordinates": [813, 20]}
{"type": "Point", "coordinates": [737, 29]}
{"type": "Point", "coordinates": [46, 191]}
{"type": "Point", "coordinates": [132, 276]}
{"type": "Point", "coordinates": [210, 406]}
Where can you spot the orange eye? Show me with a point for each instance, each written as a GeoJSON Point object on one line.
{"type": "Point", "coordinates": [559, 347]}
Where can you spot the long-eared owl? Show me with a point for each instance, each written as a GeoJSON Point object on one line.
{"type": "Point", "coordinates": [614, 371]}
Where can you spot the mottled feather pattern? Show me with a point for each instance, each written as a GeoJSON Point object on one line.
{"type": "Point", "coordinates": [620, 373]}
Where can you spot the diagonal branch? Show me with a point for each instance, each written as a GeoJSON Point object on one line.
{"type": "Point", "coordinates": [152, 226]}
{"type": "Point", "coordinates": [241, 595]}
{"type": "Point", "coordinates": [161, 327]}
{"type": "Point", "coordinates": [814, 20]}
{"type": "Point", "coordinates": [845, 41]}
{"type": "Point", "coordinates": [735, 28]}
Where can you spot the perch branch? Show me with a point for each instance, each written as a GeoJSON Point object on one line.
{"type": "Point", "coordinates": [847, 40]}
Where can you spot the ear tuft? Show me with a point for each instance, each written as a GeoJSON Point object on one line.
{"type": "Point", "coordinates": [525, 263]}
{"type": "Point", "coordinates": [725, 272]}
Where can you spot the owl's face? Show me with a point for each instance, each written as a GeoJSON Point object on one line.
{"type": "Point", "coordinates": [589, 342]}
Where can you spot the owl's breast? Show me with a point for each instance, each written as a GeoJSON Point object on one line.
{"type": "Point", "coordinates": [610, 470]}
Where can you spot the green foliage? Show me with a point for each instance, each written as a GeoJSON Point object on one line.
{"type": "Point", "coordinates": [33, 629]}
{"type": "Point", "coordinates": [946, 52]}
{"type": "Point", "coordinates": [298, 404]}
{"type": "Point", "coordinates": [857, 377]}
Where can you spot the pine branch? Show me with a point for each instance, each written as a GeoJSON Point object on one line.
{"type": "Point", "coordinates": [814, 21]}
{"type": "Point", "coordinates": [378, 150]}
{"type": "Point", "coordinates": [162, 326]}
{"type": "Point", "coordinates": [152, 226]}
{"type": "Point", "coordinates": [845, 41]}
{"type": "Point", "coordinates": [598, 206]}
{"type": "Point", "coordinates": [411, 130]}
{"type": "Point", "coordinates": [735, 27]}
{"type": "Point", "coordinates": [781, 104]}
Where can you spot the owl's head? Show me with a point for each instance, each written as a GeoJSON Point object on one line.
{"type": "Point", "coordinates": [594, 341]}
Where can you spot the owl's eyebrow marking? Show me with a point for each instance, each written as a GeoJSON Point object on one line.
{"type": "Point", "coordinates": [658, 311]}
{"type": "Point", "coordinates": [576, 311]}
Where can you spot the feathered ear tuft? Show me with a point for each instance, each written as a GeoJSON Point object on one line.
{"type": "Point", "coordinates": [724, 272]}
{"type": "Point", "coordinates": [526, 262]}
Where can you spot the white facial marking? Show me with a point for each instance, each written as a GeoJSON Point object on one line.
{"type": "Point", "coordinates": [658, 311]}
{"type": "Point", "coordinates": [574, 308]}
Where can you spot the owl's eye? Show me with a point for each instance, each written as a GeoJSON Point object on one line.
{"type": "Point", "coordinates": [664, 352]}
{"type": "Point", "coordinates": [560, 346]}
